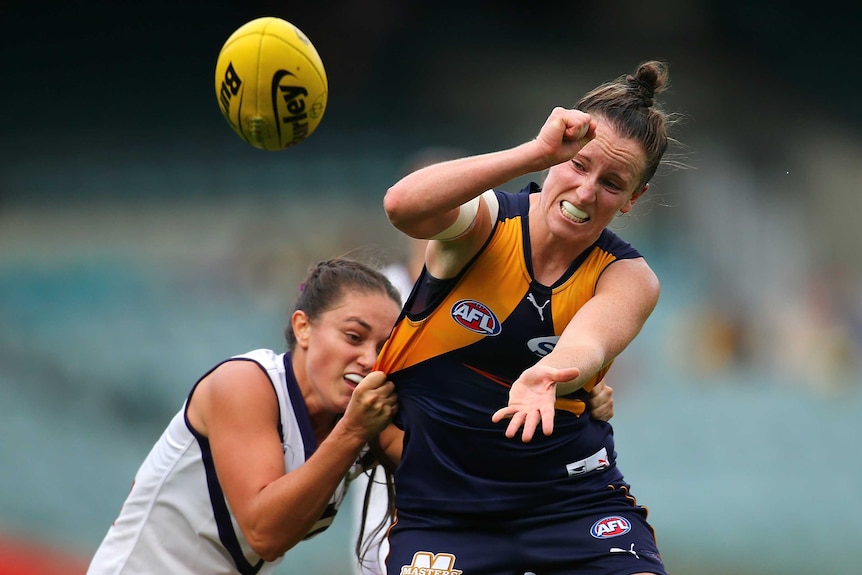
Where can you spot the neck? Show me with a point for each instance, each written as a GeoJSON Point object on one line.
{"type": "Point", "coordinates": [550, 256]}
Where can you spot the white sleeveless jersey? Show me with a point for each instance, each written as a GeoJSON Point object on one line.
{"type": "Point", "coordinates": [175, 519]}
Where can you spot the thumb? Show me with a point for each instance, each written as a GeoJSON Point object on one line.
{"type": "Point", "coordinates": [373, 380]}
{"type": "Point", "coordinates": [563, 374]}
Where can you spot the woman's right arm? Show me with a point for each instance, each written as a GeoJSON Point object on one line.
{"type": "Point", "coordinates": [236, 408]}
{"type": "Point", "coordinates": [427, 203]}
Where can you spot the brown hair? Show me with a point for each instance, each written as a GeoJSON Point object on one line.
{"type": "Point", "coordinates": [370, 538]}
{"type": "Point", "coordinates": [628, 104]}
{"type": "Point", "coordinates": [322, 289]}
{"type": "Point", "coordinates": [326, 283]}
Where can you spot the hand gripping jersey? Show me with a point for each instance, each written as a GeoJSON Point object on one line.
{"type": "Point", "coordinates": [176, 520]}
{"type": "Point", "coordinates": [453, 355]}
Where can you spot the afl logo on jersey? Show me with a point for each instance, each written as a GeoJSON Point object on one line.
{"type": "Point", "coordinates": [612, 526]}
{"type": "Point", "coordinates": [476, 317]}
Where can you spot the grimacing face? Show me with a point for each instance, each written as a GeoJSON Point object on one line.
{"type": "Point", "coordinates": [341, 346]}
{"type": "Point", "coordinates": [581, 197]}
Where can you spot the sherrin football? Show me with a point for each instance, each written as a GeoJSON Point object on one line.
{"type": "Point", "coordinates": [271, 84]}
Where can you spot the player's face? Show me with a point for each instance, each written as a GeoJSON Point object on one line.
{"type": "Point", "coordinates": [581, 197]}
{"type": "Point", "coordinates": [342, 344]}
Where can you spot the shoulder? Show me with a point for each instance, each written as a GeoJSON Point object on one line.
{"type": "Point", "coordinates": [631, 276]}
{"type": "Point", "coordinates": [238, 385]}
{"type": "Point", "coordinates": [243, 377]}
{"type": "Point", "coordinates": [613, 244]}
{"type": "Point", "coordinates": [265, 357]}
{"type": "Point", "coordinates": [509, 205]}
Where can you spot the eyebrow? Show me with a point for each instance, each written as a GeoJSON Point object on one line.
{"type": "Point", "coordinates": [354, 319]}
{"type": "Point", "coordinates": [623, 175]}
{"type": "Point", "coordinates": [611, 173]}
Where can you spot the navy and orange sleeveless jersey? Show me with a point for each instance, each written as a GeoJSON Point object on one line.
{"type": "Point", "coordinates": [453, 355]}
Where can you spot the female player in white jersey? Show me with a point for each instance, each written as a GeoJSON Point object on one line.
{"type": "Point", "coordinates": [258, 457]}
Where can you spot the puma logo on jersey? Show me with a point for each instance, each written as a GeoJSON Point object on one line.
{"type": "Point", "coordinates": [629, 550]}
{"type": "Point", "coordinates": [476, 317]}
{"type": "Point", "coordinates": [539, 308]}
{"type": "Point", "coordinates": [427, 563]}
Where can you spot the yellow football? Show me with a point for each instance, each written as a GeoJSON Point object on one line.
{"type": "Point", "coordinates": [271, 84]}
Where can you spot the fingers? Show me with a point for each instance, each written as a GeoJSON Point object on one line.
{"type": "Point", "coordinates": [579, 126]}
{"type": "Point", "coordinates": [526, 421]}
{"type": "Point", "coordinates": [515, 416]}
{"type": "Point", "coordinates": [547, 421]}
{"type": "Point", "coordinates": [373, 380]}
{"type": "Point", "coordinates": [377, 388]}
{"type": "Point", "coordinates": [599, 394]}
{"type": "Point", "coordinates": [564, 133]}
{"type": "Point", "coordinates": [515, 424]}
{"type": "Point", "coordinates": [601, 401]}
{"type": "Point", "coordinates": [502, 414]}
{"type": "Point", "coordinates": [532, 399]}
{"type": "Point", "coordinates": [373, 403]}
{"type": "Point", "coordinates": [579, 130]}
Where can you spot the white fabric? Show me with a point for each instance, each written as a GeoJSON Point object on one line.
{"type": "Point", "coordinates": [375, 563]}
{"type": "Point", "coordinates": [167, 523]}
{"type": "Point", "coordinates": [462, 224]}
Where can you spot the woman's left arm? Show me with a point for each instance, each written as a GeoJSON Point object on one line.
{"type": "Point", "coordinates": [391, 443]}
{"type": "Point", "coordinates": [626, 295]}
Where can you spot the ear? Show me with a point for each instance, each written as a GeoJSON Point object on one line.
{"type": "Point", "coordinates": [301, 328]}
{"type": "Point", "coordinates": [633, 200]}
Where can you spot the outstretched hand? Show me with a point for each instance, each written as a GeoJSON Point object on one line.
{"type": "Point", "coordinates": [531, 400]}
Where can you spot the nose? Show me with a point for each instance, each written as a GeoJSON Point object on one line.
{"type": "Point", "coordinates": [587, 191]}
{"type": "Point", "coordinates": [367, 358]}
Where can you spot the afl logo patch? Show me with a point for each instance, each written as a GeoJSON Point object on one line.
{"type": "Point", "coordinates": [476, 317]}
{"type": "Point", "coordinates": [612, 526]}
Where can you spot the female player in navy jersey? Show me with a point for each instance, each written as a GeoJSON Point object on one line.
{"type": "Point", "coordinates": [373, 511]}
{"type": "Point", "coordinates": [525, 301]}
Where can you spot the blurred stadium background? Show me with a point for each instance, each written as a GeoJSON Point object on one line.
{"type": "Point", "coordinates": [141, 242]}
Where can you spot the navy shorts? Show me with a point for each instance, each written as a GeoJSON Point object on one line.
{"type": "Point", "coordinates": [611, 539]}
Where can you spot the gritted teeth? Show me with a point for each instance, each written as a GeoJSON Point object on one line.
{"type": "Point", "coordinates": [574, 213]}
{"type": "Point", "coordinates": [353, 378]}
